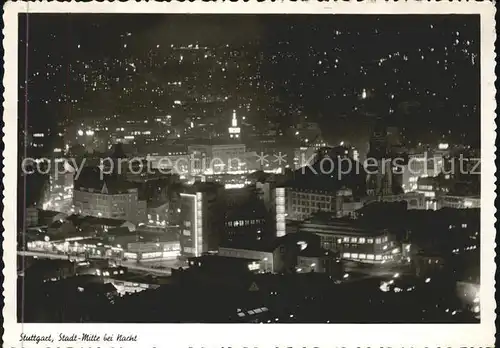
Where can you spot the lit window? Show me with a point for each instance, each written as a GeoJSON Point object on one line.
{"type": "Point", "coordinates": [362, 256]}
{"type": "Point", "coordinates": [378, 240]}
{"type": "Point", "coordinates": [378, 257]}
{"type": "Point", "coordinates": [346, 239]}
{"type": "Point", "coordinates": [369, 240]}
{"type": "Point", "coordinates": [370, 257]}
{"type": "Point", "coordinates": [362, 240]}
{"type": "Point", "coordinates": [354, 240]}
{"type": "Point", "coordinates": [354, 255]}
{"type": "Point", "coordinates": [346, 255]}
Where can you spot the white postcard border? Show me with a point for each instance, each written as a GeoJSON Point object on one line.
{"type": "Point", "coordinates": [250, 335]}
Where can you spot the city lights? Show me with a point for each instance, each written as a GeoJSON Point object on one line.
{"type": "Point", "coordinates": [194, 159]}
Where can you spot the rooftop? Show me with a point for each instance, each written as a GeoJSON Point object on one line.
{"type": "Point", "coordinates": [311, 251]}
{"type": "Point", "coordinates": [322, 224]}
{"type": "Point", "coordinates": [217, 258]}
{"type": "Point", "coordinates": [102, 221]}
{"type": "Point", "coordinates": [92, 179]}
{"type": "Point", "coordinates": [247, 245]}
{"type": "Point", "coordinates": [119, 231]}
{"type": "Point", "coordinates": [312, 177]}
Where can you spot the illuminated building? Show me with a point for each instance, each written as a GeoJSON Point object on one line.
{"type": "Point", "coordinates": [108, 198]}
{"type": "Point", "coordinates": [427, 186]}
{"type": "Point", "coordinates": [244, 228]}
{"type": "Point", "coordinates": [299, 204]}
{"type": "Point", "coordinates": [353, 242]}
{"type": "Point", "coordinates": [234, 130]}
{"type": "Point", "coordinates": [285, 254]}
{"type": "Point", "coordinates": [245, 217]}
{"type": "Point", "coordinates": [459, 202]}
{"type": "Point", "coordinates": [379, 179]}
{"type": "Point", "coordinates": [216, 158]}
{"type": "Point", "coordinates": [280, 208]}
{"type": "Point", "coordinates": [153, 251]}
{"type": "Point", "coordinates": [201, 219]}
{"type": "Point", "coordinates": [192, 224]}
{"type": "Point", "coordinates": [228, 157]}
{"type": "Point", "coordinates": [420, 166]}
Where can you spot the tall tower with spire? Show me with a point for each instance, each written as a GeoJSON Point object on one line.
{"type": "Point", "coordinates": [234, 130]}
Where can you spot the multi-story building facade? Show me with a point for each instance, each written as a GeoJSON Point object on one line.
{"type": "Point", "coordinates": [216, 158]}
{"type": "Point", "coordinates": [352, 241]}
{"type": "Point", "coordinates": [108, 198]}
{"type": "Point", "coordinates": [459, 202]}
{"type": "Point", "coordinates": [201, 219]}
{"type": "Point", "coordinates": [152, 251]}
{"type": "Point", "coordinates": [421, 165]}
{"type": "Point", "coordinates": [192, 226]}
{"type": "Point", "coordinates": [246, 217]}
{"type": "Point", "coordinates": [299, 204]}
{"type": "Point", "coordinates": [292, 253]}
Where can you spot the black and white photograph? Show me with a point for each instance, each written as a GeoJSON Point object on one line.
{"type": "Point", "coordinates": [244, 168]}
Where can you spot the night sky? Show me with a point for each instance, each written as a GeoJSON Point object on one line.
{"type": "Point", "coordinates": [317, 63]}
